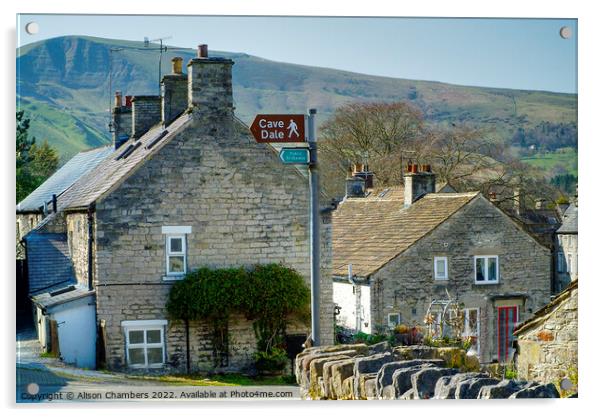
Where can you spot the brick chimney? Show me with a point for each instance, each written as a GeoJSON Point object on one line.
{"type": "Point", "coordinates": [122, 120]}
{"type": "Point", "coordinates": [210, 85]}
{"type": "Point", "coordinates": [174, 92]}
{"type": "Point", "coordinates": [418, 181]}
{"type": "Point", "coordinates": [146, 112]}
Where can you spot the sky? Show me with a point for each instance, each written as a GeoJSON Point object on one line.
{"type": "Point", "coordinates": [525, 54]}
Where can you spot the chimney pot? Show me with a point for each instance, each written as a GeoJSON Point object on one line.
{"type": "Point", "coordinates": [176, 65]}
{"type": "Point", "coordinates": [128, 101]}
{"type": "Point", "coordinates": [118, 102]}
{"type": "Point", "coordinates": [202, 51]}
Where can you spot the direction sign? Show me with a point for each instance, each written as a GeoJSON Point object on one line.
{"type": "Point", "coordinates": [294, 155]}
{"type": "Point", "coordinates": [279, 128]}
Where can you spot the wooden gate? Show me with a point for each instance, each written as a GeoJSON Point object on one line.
{"type": "Point", "coordinates": [54, 337]}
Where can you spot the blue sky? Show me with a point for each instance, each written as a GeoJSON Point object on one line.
{"type": "Point", "coordinates": [508, 53]}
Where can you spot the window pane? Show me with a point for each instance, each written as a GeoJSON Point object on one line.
{"type": "Point", "coordinates": [155, 355]}
{"type": "Point", "coordinates": [176, 264]}
{"type": "Point", "coordinates": [136, 336]}
{"type": "Point", "coordinates": [175, 244]}
{"type": "Point", "coordinates": [136, 356]}
{"type": "Point", "coordinates": [153, 336]}
{"type": "Point", "coordinates": [492, 264]}
{"type": "Point", "coordinates": [441, 268]}
{"type": "Point", "coordinates": [480, 269]}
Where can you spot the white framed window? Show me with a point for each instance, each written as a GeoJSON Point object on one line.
{"type": "Point", "coordinates": [175, 251]}
{"type": "Point", "coordinates": [176, 255]}
{"type": "Point", "coordinates": [486, 269]}
{"type": "Point", "coordinates": [569, 263]}
{"type": "Point", "coordinates": [440, 268]}
{"type": "Point", "coordinates": [393, 319]}
{"type": "Point", "coordinates": [472, 328]}
{"type": "Point", "coordinates": [145, 343]}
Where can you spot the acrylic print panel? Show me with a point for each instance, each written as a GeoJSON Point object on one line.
{"type": "Point", "coordinates": [164, 253]}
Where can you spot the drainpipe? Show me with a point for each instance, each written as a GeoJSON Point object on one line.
{"type": "Point", "coordinates": [91, 208]}
{"type": "Point", "coordinates": [187, 324]}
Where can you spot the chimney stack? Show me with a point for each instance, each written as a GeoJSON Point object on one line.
{"type": "Point", "coordinates": [210, 85]}
{"type": "Point", "coordinates": [146, 112]}
{"type": "Point", "coordinates": [519, 202]}
{"type": "Point", "coordinates": [417, 183]}
{"type": "Point", "coordinates": [174, 92]}
{"type": "Point", "coordinates": [122, 120]}
{"type": "Point", "coordinates": [361, 171]}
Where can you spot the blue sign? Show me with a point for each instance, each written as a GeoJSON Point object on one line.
{"type": "Point", "coordinates": [294, 155]}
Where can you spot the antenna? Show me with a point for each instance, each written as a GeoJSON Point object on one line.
{"type": "Point", "coordinates": [161, 49]}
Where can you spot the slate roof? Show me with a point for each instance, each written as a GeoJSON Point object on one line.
{"type": "Point", "coordinates": [369, 232]}
{"type": "Point", "coordinates": [48, 261]}
{"type": "Point", "coordinates": [63, 178]}
{"type": "Point", "coordinates": [569, 220]}
{"type": "Point", "coordinates": [546, 310]}
{"type": "Point", "coordinates": [61, 295]}
{"type": "Point", "coordinates": [115, 167]}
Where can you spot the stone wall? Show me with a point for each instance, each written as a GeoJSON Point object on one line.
{"type": "Point", "coordinates": [146, 112]}
{"type": "Point", "coordinates": [379, 372]}
{"type": "Point", "coordinates": [25, 223]}
{"type": "Point", "coordinates": [548, 345]}
{"type": "Point", "coordinates": [243, 206]}
{"type": "Point", "coordinates": [77, 237]}
{"type": "Point", "coordinates": [407, 286]}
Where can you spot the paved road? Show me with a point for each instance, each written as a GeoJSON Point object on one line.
{"type": "Point", "coordinates": [48, 380]}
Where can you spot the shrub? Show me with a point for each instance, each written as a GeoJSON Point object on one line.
{"type": "Point", "coordinates": [273, 361]}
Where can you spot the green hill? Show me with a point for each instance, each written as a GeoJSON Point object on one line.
{"type": "Point", "coordinates": [65, 87]}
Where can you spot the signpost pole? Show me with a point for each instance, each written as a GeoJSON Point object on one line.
{"type": "Point", "coordinates": [315, 228]}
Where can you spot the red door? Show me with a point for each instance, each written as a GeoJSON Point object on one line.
{"type": "Point", "coordinates": [507, 317]}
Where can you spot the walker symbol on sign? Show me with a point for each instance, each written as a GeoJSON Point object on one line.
{"type": "Point", "coordinates": [278, 128]}
{"type": "Point", "coordinates": [292, 128]}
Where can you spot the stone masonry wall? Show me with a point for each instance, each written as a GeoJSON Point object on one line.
{"type": "Point", "coordinates": [25, 223]}
{"type": "Point", "coordinates": [77, 236]}
{"type": "Point", "coordinates": [548, 349]}
{"type": "Point", "coordinates": [406, 285]}
{"type": "Point", "coordinates": [146, 112]}
{"type": "Point", "coordinates": [244, 208]}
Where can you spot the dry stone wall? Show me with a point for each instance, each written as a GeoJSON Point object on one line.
{"type": "Point", "coordinates": [360, 372]}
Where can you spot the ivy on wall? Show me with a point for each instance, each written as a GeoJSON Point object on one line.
{"type": "Point", "coordinates": [269, 295]}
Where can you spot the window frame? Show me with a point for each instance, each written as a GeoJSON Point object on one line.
{"type": "Point", "coordinates": [145, 326]}
{"type": "Point", "coordinates": [169, 253]}
{"type": "Point", "coordinates": [477, 331]}
{"type": "Point", "coordinates": [569, 263]}
{"type": "Point", "coordinates": [389, 320]}
{"type": "Point", "coordinates": [436, 276]}
{"type": "Point", "coordinates": [487, 281]}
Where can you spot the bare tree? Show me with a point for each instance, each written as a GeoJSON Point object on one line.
{"type": "Point", "coordinates": [378, 134]}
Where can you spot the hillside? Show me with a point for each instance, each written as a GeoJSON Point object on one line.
{"type": "Point", "coordinates": [63, 85]}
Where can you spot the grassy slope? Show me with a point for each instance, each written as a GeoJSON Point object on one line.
{"type": "Point", "coordinates": [565, 157]}
{"type": "Point", "coordinates": [64, 85]}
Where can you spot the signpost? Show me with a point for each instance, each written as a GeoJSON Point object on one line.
{"type": "Point", "coordinates": [287, 128]}
{"type": "Point", "coordinates": [294, 156]}
{"type": "Point", "coordinates": [279, 128]}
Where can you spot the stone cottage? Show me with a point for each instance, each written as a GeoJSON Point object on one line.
{"type": "Point", "coordinates": [185, 187]}
{"type": "Point", "coordinates": [567, 248]}
{"type": "Point", "coordinates": [403, 252]}
{"type": "Point", "coordinates": [547, 343]}
{"type": "Point", "coordinates": [42, 201]}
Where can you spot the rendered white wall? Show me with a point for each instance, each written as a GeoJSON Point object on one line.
{"type": "Point", "coordinates": [345, 297]}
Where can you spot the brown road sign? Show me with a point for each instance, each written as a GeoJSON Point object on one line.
{"type": "Point", "coordinates": [279, 128]}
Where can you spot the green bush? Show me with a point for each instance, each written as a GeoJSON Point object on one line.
{"type": "Point", "coordinates": [269, 295]}
{"type": "Point", "coordinates": [273, 361]}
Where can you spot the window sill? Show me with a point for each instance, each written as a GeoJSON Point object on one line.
{"type": "Point", "coordinates": [442, 280]}
{"type": "Point", "coordinates": [486, 283]}
{"type": "Point", "coordinates": [173, 277]}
